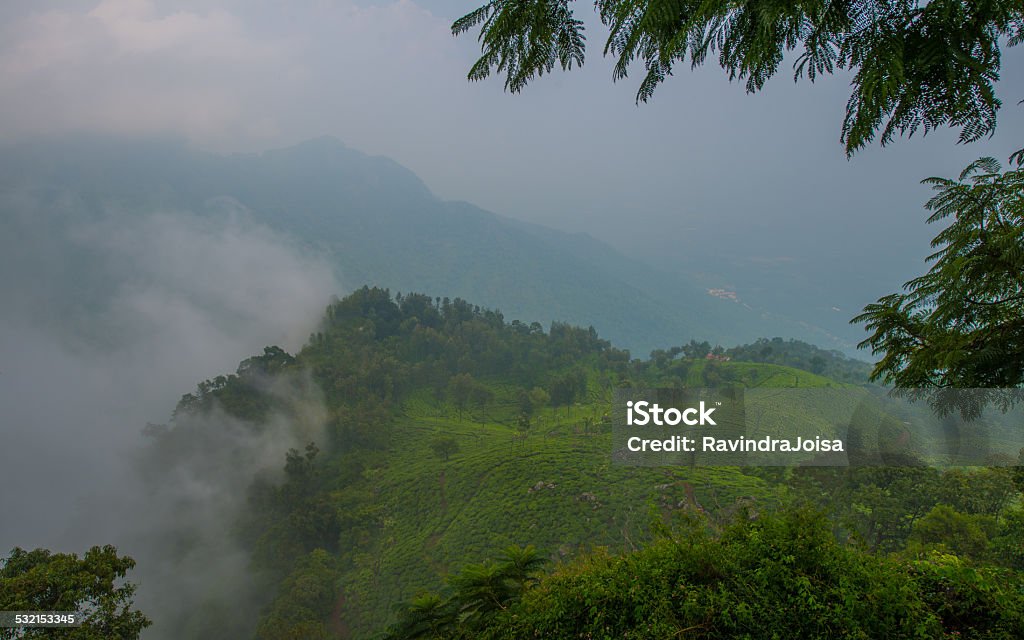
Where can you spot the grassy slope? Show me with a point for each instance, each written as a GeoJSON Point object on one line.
{"type": "Point", "coordinates": [556, 489]}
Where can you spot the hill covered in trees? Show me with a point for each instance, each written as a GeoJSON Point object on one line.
{"type": "Point", "coordinates": [438, 434]}
{"type": "Point", "coordinates": [371, 219]}
{"type": "Point", "coordinates": [801, 355]}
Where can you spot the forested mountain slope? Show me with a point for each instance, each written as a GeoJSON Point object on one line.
{"type": "Point", "coordinates": [374, 221]}
{"type": "Point", "coordinates": [444, 434]}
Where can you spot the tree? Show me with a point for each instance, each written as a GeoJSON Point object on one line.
{"type": "Point", "coordinates": [444, 447]}
{"type": "Point", "coordinates": [92, 586]}
{"type": "Point", "coordinates": [961, 325]}
{"type": "Point", "coordinates": [481, 396]}
{"type": "Point", "coordinates": [464, 389]}
{"type": "Point", "coordinates": [917, 64]}
{"type": "Point", "coordinates": [304, 600]}
{"type": "Point", "coordinates": [568, 388]}
{"type": "Point", "coordinates": [460, 387]}
{"type": "Point", "coordinates": [481, 591]}
{"type": "Point", "coordinates": [426, 616]}
{"type": "Point", "coordinates": [945, 528]}
{"type": "Point", "coordinates": [697, 349]}
{"type": "Point", "coordinates": [532, 401]}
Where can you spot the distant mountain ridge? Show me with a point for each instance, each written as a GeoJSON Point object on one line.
{"type": "Point", "coordinates": [381, 225]}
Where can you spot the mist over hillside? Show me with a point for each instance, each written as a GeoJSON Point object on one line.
{"type": "Point", "coordinates": [376, 223]}
{"type": "Point", "coordinates": [110, 313]}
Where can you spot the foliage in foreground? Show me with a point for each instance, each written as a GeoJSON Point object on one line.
{"type": "Point", "coordinates": [779, 576]}
{"type": "Point", "coordinates": [961, 325]}
{"type": "Point", "coordinates": [92, 585]}
{"type": "Point", "coordinates": [917, 65]}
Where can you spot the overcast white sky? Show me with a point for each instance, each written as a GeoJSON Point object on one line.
{"type": "Point", "coordinates": [703, 159]}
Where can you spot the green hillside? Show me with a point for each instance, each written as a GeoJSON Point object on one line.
{"type": "Point", "coordinates": [556, 489]}
{"type": "Point", "coordinates": [451, 434]}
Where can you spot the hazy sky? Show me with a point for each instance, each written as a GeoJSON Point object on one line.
{"type": "Point", "coordinates": [703, 170]}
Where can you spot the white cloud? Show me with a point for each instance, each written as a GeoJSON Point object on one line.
{"type": "Point", "coordinates": [135, 26]}
{"type": "Point", "coordinates": [118, 316]}
{"type": "Point", "coordinates": [225, 77]}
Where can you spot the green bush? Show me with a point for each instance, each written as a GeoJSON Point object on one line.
{"type": "Point", "coordinates": [773, 578]}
